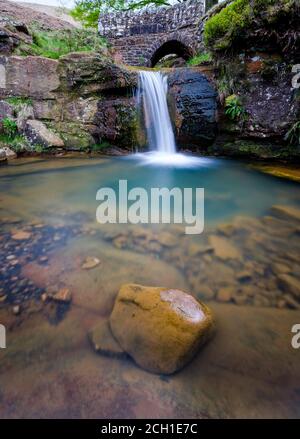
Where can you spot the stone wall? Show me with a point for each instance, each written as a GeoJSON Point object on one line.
{"type": "Point", "coordinates": [136, 36]}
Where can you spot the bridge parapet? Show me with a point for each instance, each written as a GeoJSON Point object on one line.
{"type": "Point", "coordinates": [151, 20]}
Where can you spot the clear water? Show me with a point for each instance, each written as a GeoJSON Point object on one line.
{"type": "Point", "coordinates": [48, 189]}
{"type": "Point", "coordinates": [49, 368]}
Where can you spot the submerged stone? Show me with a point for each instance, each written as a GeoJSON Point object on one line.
{"type": "Point", "coordinates": [290, 284]}
{"type": "Point", "coordinates": [63, 295]}
{"type": "Point", "coordinates": [223, 248]}
{"type": "Point", "coordinates": [90, 262]}
{"type": "Point", "coordinates": [225, 294]}
{"type": "Point", "coordinates": [288, 213]}
{"type": "Point", "coordinates": [104, 342]}
{"type": "Point", "coordinates": [161, 329]}
{"type": "Point", "coordinates": [21, 235]}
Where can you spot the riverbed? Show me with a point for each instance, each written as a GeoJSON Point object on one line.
{"type": "Point", "coordinates": [241, 266]}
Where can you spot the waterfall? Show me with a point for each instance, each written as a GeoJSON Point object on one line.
{"type": "Point", "coordinates": [152, 93]}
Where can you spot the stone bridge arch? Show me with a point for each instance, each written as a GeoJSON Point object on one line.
{"type": "Point", "coordinates": [169, 45]}
{"type": "Point", "coordinates": [139, 38]}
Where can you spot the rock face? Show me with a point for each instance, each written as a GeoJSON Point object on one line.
{"type": "Point", "coordinates": [7, 153]}
{"type": "Point", "coordinates": [6, 110]}
{"type": "Point", "coordinates": [193, 105]}
{"type": "Point", "coordinates": [3, 157]}
{"type": "Point", "coordinates": [256, 54]}
{"type": "Point", "coordinates": [160, 329]}
{"type": "Point", "coordinates": [38, 133]}
{"type": "Point", "coordinates": [83, 97]}
{"type": "Point", "coordinates": [32, 77]}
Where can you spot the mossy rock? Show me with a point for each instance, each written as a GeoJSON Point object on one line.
{"type": "Point", "coordinates": [268, 23]}
{"type": "Point", "coordinates": [74, 135]}
{"type": "Point", "coordinates": [251, 149]}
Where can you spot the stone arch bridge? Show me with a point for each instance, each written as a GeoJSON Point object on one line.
{"type": "Point", "coordinates": [142, 38]}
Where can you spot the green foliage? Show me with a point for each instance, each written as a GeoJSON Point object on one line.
{"type": "Point", "coordinates": [9, 127]}
{"type": "Point", "coordinates": [232, 23]}
{"type": "Point", "coordinates": [221, 28]}
{"type": "Point", "coordinates": [16, 143]}
{"type": "Point", "coordinates": [233, 108]}
{"type": "Point", "coordinates": [54, 44]}
{"type": "Point", "coordinates": [293, 134]}
{"type": "Point", "coordinates": [199, 59]}
{"type": "Point", "coordinates": [18, 101]}
{"type": "Point", "coordinates": [87, 11]}
{"type": "Point", "coordinates": [39, 148]}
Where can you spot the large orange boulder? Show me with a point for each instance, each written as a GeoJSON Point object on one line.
{"type": "Point", "coordinates": [161, 329]}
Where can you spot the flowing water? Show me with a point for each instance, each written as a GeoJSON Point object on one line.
{"type": "Point", "coordinates": [153, 88]}
{"type": "Point", "coordinates": [152, 97]}
{"type": "Point", "coordinates": [49, 368]}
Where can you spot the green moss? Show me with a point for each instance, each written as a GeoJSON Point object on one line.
{"type": "Point", "coordinates": [74, 135]}
{"type": "Point", "coordinates": [18, 101]}
{"type": "Point", "coordinates": [40, 149]}
{"type": "Point", "coordinates": [261, 150]}
{"type": "Point", "coordinates": [199, 59]}
{"type": "Point", "coordinates": [232, 24]}
{"type": "Point", "coordinates": [220, 29]}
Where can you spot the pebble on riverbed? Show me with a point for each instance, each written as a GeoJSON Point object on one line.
{"type": "Point", "coordinates": [63, 295]}
{"type": "Point", "coordinates": [18, 246]}
{"type": "Point", "coordinates": [90, 262]}
{"type": "Point", "coordinates": [248, 257]}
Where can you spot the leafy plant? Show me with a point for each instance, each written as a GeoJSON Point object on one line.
{"type": "Point", "coordinates": [18, 101]}
{"type": "Point", "coordinates": [199, 59]}
{"type": "Point", "coordinates": [17, 143]}
{"type": "Point", "coordinates": [9, 127]}
{"type": "Point", "coordinates": [233, 108]}
{"type": "Point", "coordinates": [293, 134]}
